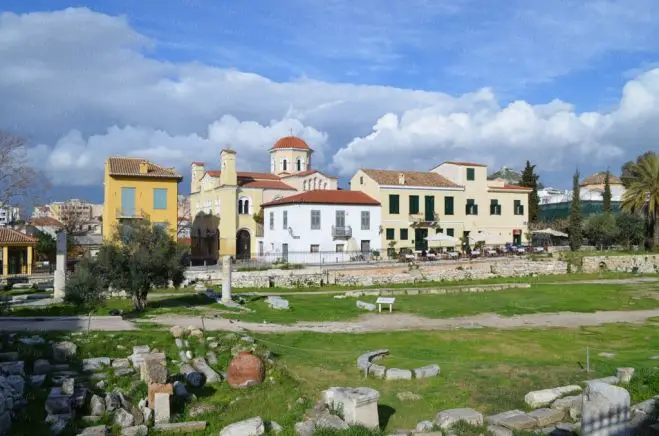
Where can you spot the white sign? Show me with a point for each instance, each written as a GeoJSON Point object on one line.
{"type": "Point", "coordinates": [385, 300]}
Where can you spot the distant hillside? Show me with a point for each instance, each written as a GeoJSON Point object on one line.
{"type": "Point", "coordinates": [512, 177]}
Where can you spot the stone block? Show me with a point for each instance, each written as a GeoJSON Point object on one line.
{"type": "Point", "coordinates": [546, 417]}
{"type": "Point", "coordinates": [68, 386]}
{"type": "Point", "coordinates": [624, 375]}
{"type": "Point", "coordinates": [161, 412]}
{"type": "Point", "coordinates": [95, 364]}
{"type": "Point", "coordinates": [112, 401]}
{"type": "Point", "coordinates": [359, 405]}
{"type": "Point", "coordinates": [96, 406]}
{"type": "Point", "coordinates": [496, 419]}
{"type": "Point", "coordinates": [545, 397]}
{"type": "Point", "coordinates": [496, 430]}
{"type": "Point", "coordinates": [120, 363]}
{"type": "Point", "coordinates": [9, 356]}
{"type": "Point", "coordinates": [366, 306]}
{"type": "Point", "coordinates": [424, 426]}
{"type": "Point", "coordinates": [427, 371]}
{"type": "Point", "coordinates": [177, 331]}
{"type": "Point", "coordinates": [305, 428]}
{"type": "Point", "coordinates": [37, 381]}
{"type": "Point", "coordinates": [141, 349]}
{"type": "Point", "coordinates": [41, 366]}
{"type": "Point", "coordinates": [448, 418]}
{"type": "Point", "coordinates": [13, 368]}
{"type": "Point", "coordinates": [137, 430]}
{"type": "Point", "coordinates": [249, 427]}
{"type": "Point", "coordinates": [518, 422]}
{"type": "Point", "coordinates": [606, 410]}
{"type": "Point", "coordinates": [328, 420]}
{"type": "Point", "coordinates": [611, 380]}
{"type": "Point", "coordinates": [571, 405]}
{"type": "Point", "coordinates": [277, 303]}
{"type": "Point", "coordinates": [63, 351]}
{"type": "Point", "coordinates": [158, 388]}
{"type": "Point", "coordinates": [152, 371]}
{"type": "Point", "coordinates": [98, 430]}
{"type": "Point", "coordinates": [58, 405]}
{"type": "Point", "coordinates": [377, 370]}
{"type": "Point", "coordinates": [398, 374]}
{"type": "Point", "coordinates": [123, 418]}
{"type": "Point", "coordinates": [199, 363]}
{"type": "Point", "coordinates": [181, 427]}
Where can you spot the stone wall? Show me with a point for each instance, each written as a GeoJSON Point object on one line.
{"type": "Point", "coordinates": [642, 264]}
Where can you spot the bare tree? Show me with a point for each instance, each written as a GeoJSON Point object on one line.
{"type": "Point", "coordinates": [73, 217]}
{"type": "Point", "coordinates": [184, 221]}
{"type": "Point", "coordinates": [18, 181]}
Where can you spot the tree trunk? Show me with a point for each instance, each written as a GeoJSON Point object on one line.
{"type": "Point", "coordinates": [655, 239]}
{"type": "Point", "coordinates": [139, 301]}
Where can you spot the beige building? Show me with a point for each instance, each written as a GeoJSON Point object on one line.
{"type": "Point", "coordinates": [225, 204]}
{"type": "Point", "coordinates": [454, 198]}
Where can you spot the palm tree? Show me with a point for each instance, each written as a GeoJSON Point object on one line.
{"type": "Point", "coordinates": [642, 194]}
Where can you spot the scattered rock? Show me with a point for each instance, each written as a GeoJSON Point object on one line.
{"type": "Point", "coordinates": [366, 306]}
{"type": "Point", "coordinates": [137, 430]}
{"type": "Point", "coordinates": [41, 366]}
{"type": "Point", "coordinates": [624, 375]}
{"type": "Point", "coordinates": [120, 363]}
{"type": "Point", "coordinates": [571, 405]}
{"type": "Point", "coordinates": [161, 409]}
{"type": "Point", "coordinates": [198, 409]}
{"type": "Point", "coordinates": [34, 340]}
{"type": "Point", "coordinates": [249, 427]}
{"type": "Point", "coordinates": [427, 371]}
{"type": "Point", "coordinates": [408, 396]}
{"type": "Point", "coordinates": [99, 430]}
{"type": "Point", "coordinates": [496, 430]}
{"type": "Point", "coordinates": [448, 418]}
{"type": "Point", "coordinates": [212, 358]}
{"type": "Point", "coordinates": [188, 354]}
{"type": "Point", "coordinates": [8, 356]}
{"type": "Point", "coordinates": [197, 333]}
{"type": "Point", "coordinates": [177, 331]}
{"type": "Point", "coordinates": [13, 368]}
{"type": "Point", "coordinates": [181, 427]}
{"type": "Point", "coordinates": [277, 303]}
{"type": "Point", "coordinates": [63, 351]}
{"type": "Point", "coordinates": [398, 374]}
{"type": "Point", "coordinates": [518, 422]}
{"type": "Point", "coordinates": [359, 405]}
{"type": "Point", "coordinates": [213, 345]}
{"type": "Point", "coordinates": [58, 404]}
{"type": "Point", "coordinates": [68, 386]}
{"type": "Point", "coordinates": [95, 363]}
{"type": "Point", "coordinates": [37, 381]}
{"type": "Point", "coordinates": [546, 417]}
{"type": "Point", "coordinates": [179, 343]}
{"type": "Point", "coordinates": [611, 380]}
{"type": "Point", "coordinates": [180, 390]}
{"type": "Point", "coordinates": [607, 355]}
{"type": "Point", "coordinates": [545, 397]}
{"type": "Point", "coordinates": [152, 371]}
{"type": "Point", "coordinates": [112, 401]}
{"type": "Point", "coordinates": [96, 406]}
{"type": "Point", "coordinates": [122, 372]}
{"type": "Point", "coordinates": [147, 414]}
{"type": "Point", "coordinates": [305, 428]}
{"type": "Point", "coordinates": [247, 339]}
{"type": "Point", "coordinates": [123, 418]}
{"type": "Point", "coordinates": [377, 371]}
{"type": "Point", "coordinates": [424, 426]}
{"type": "Point", "coordinates": [273, 427]}
{"type": "Point", "coordinates": [331, 421]}
{"type": "Point", "coordinates": [199, 363]}
{"type": "Point", "coordinates": [499, 417]}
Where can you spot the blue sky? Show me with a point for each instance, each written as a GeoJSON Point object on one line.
{"type": "Point", "coordinates": [565, 83]}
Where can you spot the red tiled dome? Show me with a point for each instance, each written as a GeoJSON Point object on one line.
{"type": "Point", "coordinates": [291, 142]}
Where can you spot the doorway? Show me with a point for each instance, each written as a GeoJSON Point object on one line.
{"type": "Point", "coordinates": [243, 244]}
{"type": "Point", "coordinates": [420, 242]}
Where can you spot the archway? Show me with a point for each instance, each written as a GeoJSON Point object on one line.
{"type": "Point", "coordinates": [243, 244]}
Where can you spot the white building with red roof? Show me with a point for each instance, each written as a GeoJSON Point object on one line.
{"type": "Point", "coordinates": [321, 226]}
{"type": "Point", "coordinates": [225, 203]}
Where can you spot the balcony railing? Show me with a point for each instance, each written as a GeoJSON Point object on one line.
{"type": "Point", "coordinates": [129, 214]}
{"type": "Point", "coordinates": [421, 220]}
{"type": "Point", "coordinates": [341, 231]}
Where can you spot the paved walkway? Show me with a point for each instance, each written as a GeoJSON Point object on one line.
{"type": "Point", "coordinates": [64, 323]}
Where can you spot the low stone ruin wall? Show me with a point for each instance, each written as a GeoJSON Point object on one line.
{"type": "Point", "coordinates": [365, 364]}
{"type": "Point", "coordinates": [642, 264]}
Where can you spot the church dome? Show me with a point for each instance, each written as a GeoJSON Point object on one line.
{"type": "Point", "coordinates": [291, 142]}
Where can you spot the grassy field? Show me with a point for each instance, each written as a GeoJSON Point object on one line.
{"type": "Point", "coordinates": [485, 369]}
{"type": "Point", "coordinates": [540, 298]}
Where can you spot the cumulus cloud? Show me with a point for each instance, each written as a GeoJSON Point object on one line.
{"type": "Point", "coordinates": [83, 85]}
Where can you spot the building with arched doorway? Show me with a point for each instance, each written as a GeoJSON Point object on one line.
{"type": "Point", "coordinates": [225, 203]}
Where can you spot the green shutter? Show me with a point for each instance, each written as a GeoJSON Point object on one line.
{"type": "Point", "coordinates": [394, 204]}
{"type": "Point", "coordinates": [403, 234]}
{"type": "Point", "coordinates": [390, 235]}
{"type": "Point", "coordinates": [450, 232]}
{"type": "Point", "coordinates": [429, 208]}
{"type": "Point", "coordinates": [448, 205]}
{"type": "Point", "coordinates": [471, 174]}
{"type": "Point", "coordinates": [414, 204]}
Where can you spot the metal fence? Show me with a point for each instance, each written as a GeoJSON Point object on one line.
{"type": "Point", "coordinates": [309, 258]}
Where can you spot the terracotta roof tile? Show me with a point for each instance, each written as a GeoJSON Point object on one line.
{"type": "Point", "coordinates": [291, 142]}
{"type": "Point", "coordinates": [130, 166]}
{"type": "Point", "coordinates": [510, 188]}
{"type": "Point", "coordinates": [46, 221]}
{"type": "Point", "coordinates": [465, 164]}
{"type": "Point", "coordinates": [248, 179]}
{"type": "Point", "coordinates": [11, 237]}
{"type": "Point", "coordinates": [412, 178]}
{"type": "Point", "coordinates": [308, 173]}
{"type": "Point", "coordinates": [327, 197]}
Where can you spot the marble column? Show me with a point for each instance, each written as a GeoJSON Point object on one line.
{"type": "Point", "coordinates": [60, 266]}
{"type": "Point", "coordinates": [226, 279]}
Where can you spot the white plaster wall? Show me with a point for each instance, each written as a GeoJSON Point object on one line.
{"type": "Point", "coordinates": [299, 236]}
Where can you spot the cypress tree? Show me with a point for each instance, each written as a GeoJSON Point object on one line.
{"type": "Point", "coordinates": [575, 230]}
{"type": "Point", "coordinates": [530, 180]}
{"type": "Point", "coordinates": [606, 196]}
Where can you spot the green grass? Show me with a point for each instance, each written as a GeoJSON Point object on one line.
{"type": "Point", "coordinates": [488, 370]}
{"type": "Point", "coordinates": [540, 298]}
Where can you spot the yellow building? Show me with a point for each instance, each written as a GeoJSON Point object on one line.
{"type": "Point", "coordinates": [225, 204]}
{"type": "Point", "coordinates": [135, 188]}
{"type": "Point", "coordinates": [454, 198]}
{"type": "Point", "coordinates": [16, 252]}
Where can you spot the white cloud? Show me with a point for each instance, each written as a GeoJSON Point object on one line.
{"type": "Point", "coordinates": [82, 86]}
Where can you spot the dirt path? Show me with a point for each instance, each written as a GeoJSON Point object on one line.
{"type": "Point", "coordinates": [401, 322]}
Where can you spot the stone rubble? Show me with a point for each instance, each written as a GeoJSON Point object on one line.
{"type": "Point", "coordinates": [277, 303]}
{"type": "Point", "coordinates": [249, 427]}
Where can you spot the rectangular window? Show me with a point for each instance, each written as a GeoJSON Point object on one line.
{"type": "Point", "coordinates": [315, 220]}
{"type": "Point", "coordinates": [128, 202]}
{"type": "Point", "coordinates": [284, 219]}
{"type": "Point", "coordinates": [495, 207]}
{"type": "Point", "coordinates": [366, 220]}
{"type": "Point", "coordinates": [450, 232]}
{"type": "Point", "coordinates": [429, 210]}
{"type": "Point", "coordinates": [403, 234]}
{"type": "Point", "coordinates": [159, 198]}
{"type": "Point", "coordinates": [340, 220]}
{"type": "Point", "coordinates": [471, 207]}
{"type": "Point", "coordinates": [519, 207]}
{"type": "Point", "coordinates": [391, 235]}
{"type": "Point", "coordinates": [471, 174]}
{"type": "Point", "coordinates": [340, 248]}
{"type": "Point", "coordinates": [315, 248]}
{"type": "Point", "coordinates": [394, 204]}
{"type": "Point", "coordinates": [414, 204]}
{"type": "Point", "coordinates": [272, 220]}
{"type": "Point", "coordinates": [448, 205]}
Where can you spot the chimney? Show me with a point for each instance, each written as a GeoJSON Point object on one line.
{"type": "Point", "coordinates": [144, 167]}
{"type": "Point", "coordinates": [401, 178]}
{"type": "Point", "coordinates": [228, 175]}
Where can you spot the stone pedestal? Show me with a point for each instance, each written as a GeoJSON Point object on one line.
{"type": "Point", "coordinates": [59, 284]}
{"type": "Point", "coordinates": [359, 405]}
{"type": "Point", "coordinates": [605, 410]}
{"type": "Point", "coordinates": [226, 279]}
